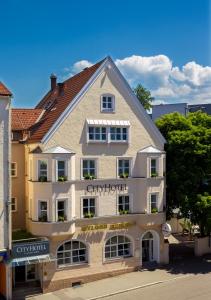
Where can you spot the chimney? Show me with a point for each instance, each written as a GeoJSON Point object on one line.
{"type": "Point", "coordinates": [53, 81]}
{"type": "Point", "coordinates": [61, 87]}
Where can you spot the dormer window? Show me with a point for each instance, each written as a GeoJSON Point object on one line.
{"type": "Point", "coordinates": [107, 103]}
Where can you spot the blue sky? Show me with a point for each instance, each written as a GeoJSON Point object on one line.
{"type": "Point", "coordinates": [162, 44]}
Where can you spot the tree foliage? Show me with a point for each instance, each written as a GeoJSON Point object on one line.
{"type": "Point", "coordinates": [188, 166]}
{"type": "Point", "coordinates": [144, 96]}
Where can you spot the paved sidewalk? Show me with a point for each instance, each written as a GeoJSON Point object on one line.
{"type": "Point", "coordinates": [110, 286]}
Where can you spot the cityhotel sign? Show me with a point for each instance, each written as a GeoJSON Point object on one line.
{"type": "Point", "coordinates": [30, 249]}
{"type": "Point", "coordinates": [106, 188]}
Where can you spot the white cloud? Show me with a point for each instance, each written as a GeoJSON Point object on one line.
{"type": "Point", "coordinates": [168, 84]}
{"type": "Point", "coordinates": [76, 68]}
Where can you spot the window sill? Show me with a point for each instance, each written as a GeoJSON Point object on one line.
{"type": "Point", "coordinates": [116, 259]}
{"type": "Point", "coordinates": [107, 111]}
{"type": "Point", "coordinates": [72, 266]}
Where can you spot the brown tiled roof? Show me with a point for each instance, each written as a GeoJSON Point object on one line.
{"type": "Point", "coordinates": [55, 102]}
{"type": "Point", "coordinates": [23, 118]}
{"type": "Point", "coordinates": [4, 90]}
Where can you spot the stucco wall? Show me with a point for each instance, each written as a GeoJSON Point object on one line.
{"type": "Point", "coordinates": [95, 241]}
{"type": "Point", "coordinates": [202, 246]}
{"type": "Point", "coordinates": [4, 170]}
{"type": "Point", "coordinates": [18, 186]}
{"type": "Point", "coordinates": [74, 128]}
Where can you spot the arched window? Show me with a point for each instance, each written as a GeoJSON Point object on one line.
{"type": "Point", "coordinates": [71, 252]}
{"type": "Point", "coordinates": [118, 246]}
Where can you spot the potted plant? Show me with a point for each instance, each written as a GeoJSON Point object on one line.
{"type": "Point", "coordinates": [124, 212]}
{"type": "Point", "coordinates": [154, 210]}
{"type": "Point", "coordinates": [43, 218]}
{"type": "Point", "coordinates": [62, 218]}
{"type": "Point", "coordinates": [124, 175]}
{"type": "Point", "coordinates": [155, 174]}
{"type": "Point", "coordinates": [43, 179]}
{"type": "Point", "coordinates": [89, 176]}
{"type": "Point", "coordinates": [62, 178]}
{"type": "Point", "coordinates": [89, 215]}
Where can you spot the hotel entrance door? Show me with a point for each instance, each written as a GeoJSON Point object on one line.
{"type": "Point", "coordinates": [25, 273]}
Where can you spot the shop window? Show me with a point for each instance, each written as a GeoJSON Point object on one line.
{"type": "Point", "coordinates": [42, 170]}
{"type": "Point", "coordinates": [123, 204]}
{"type": "Point", "coordinates": [13, 204]}
{"type": "Point", "coordinates": [89, 169]}
{"type": "Point", "coordinates": [89, 207]}
{"type": "Point", "coordinates": [153, 203]}
{"type": "Point", "coordinates": [107, 103]}
{"type": "Point", "coordinates": [97, 134]}
{"type": "Point", "coordinates": [123, 168]}
{"type": "Point", "coordinates": [153, 167]}
{"type": "Point", "coordinates": [118, 246]}
{"type": "Point", "coordinates": [118, 134]}
{"type": "Point", "coordinates": [61, 211]}
{"type": "Point", "coordinates": [72, 252]}
{"type": "Point", "coordinates": [61, 170]}
{"type": "Point", "coordinates": [13, 169]}
{"type": "Point", "coordinates": [43, 211]}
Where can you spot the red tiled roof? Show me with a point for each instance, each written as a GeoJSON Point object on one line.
{"type": "Point", "coordinates": [23, 118]}
{"type": "Point", "coordinates": [57, 102]}
{"type": "Point", "coordinates": [4, 90]}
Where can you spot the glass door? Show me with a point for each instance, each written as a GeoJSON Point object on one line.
{"type": "Point", "coordinates": [147, 250]}
{"type": "Point", "coordinates": [30, 272]}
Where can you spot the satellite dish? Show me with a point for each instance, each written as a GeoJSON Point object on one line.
{"type": "Point", "coordinates": [166, 229]}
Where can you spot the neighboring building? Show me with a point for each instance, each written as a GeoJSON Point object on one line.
{"type": "Point", "coordinates": [94, 165]}
{"type": "Point", "coordinates": [5, 101]}
{"type": "Point", "coordinates": [182, 108]}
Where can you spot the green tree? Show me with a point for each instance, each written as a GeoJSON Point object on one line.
{"type": "Point", "coordinates": [144, 96]}
{"type": "Point", "coordinates": [188, 165]}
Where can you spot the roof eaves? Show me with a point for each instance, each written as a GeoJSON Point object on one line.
{"type": "Point", "coordinates": [74, 101]}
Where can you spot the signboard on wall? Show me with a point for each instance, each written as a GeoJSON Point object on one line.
{"type": "Point", "coordinates": [35, 248]}
{"type": "Point", "coordinates": [106, 188]}
{"type": "Point", "coordinates": [115, 226]}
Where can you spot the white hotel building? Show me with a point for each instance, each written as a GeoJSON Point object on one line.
{"type": "Point", "coordinates": [92, 165]}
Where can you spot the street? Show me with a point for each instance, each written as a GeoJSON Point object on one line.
{"type": "Point", "coordinates": [180, 280]}
{"type": "Point", "coordinates": [194, 287]}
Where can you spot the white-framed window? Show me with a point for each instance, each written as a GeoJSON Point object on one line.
{"type": "Point", "coordinates": [124, 166]}
{"type": "Point", "coordinates": [71, 252]}
{"type": "Point", "coordinates": [153, 167]}
{"type": "Point", "coordinates": [61, 210]}
{"type": "Point", "coordinates": [107, 103]}
{"type": "Point", "coordinates": [123, 204]}
{"type": "Point", "coordinates": [97, 133]}
{"type": "Point", "coordinates": [13, 204]}
{"type": "Point", "coordinates": [89, 168]}
{"type": "Point", "coordinates": [42, 170]}
{"type": "Point", "coordinates": [153, 203]}
{"type": "Point", "coordinates": [14, 169]}
{"type": "Point", "coordinates": [88, 207]}
{"type": "Point", "coordinates": [118, 134]}
{"type": "Point", "coordinates": [42, 211]}
{"type": "Point", "coordinates": [118, 246]}
{"type": "Point", "coordinates": [61, 170]}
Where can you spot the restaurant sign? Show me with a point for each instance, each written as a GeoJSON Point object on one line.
{"type": "Point", "coordinates": [30, 249]}
{"type": "Point", "coordinates": [115, 226]}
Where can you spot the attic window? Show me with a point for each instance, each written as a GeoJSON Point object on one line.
{"type": "Point", "coordinates": [107, 103]}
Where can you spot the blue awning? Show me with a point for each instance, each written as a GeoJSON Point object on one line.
{"type": "Point", "coordinates": [31, 260]}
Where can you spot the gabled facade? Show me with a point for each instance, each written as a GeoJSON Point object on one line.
{"type": "Point", "coordinates": [94, 180]}
{"type": "Point", "coordinates": [5, 101]}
